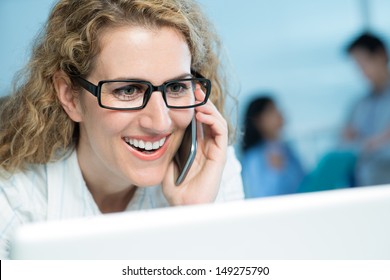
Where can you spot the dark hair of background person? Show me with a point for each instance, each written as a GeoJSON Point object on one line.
{"type": "Point", "coordinates": [367, 41]}
{"type": "Point", "coordinates": [251, 134]}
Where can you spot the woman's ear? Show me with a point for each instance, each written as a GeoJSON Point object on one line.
{"type": "Point", "coordinates": [67, 97]}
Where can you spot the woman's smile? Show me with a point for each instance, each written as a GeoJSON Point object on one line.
{"type": "Point", "coordinates": [147, 148]}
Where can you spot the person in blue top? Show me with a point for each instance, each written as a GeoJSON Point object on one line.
{"type": "Point", "coordinates": [367, 130]}
{"type": "Point", "coordinates": [269, 165]}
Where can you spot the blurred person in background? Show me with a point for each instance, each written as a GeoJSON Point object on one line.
{"type": "Point", "coordinates": [269, 165]}
{"type": "Point", "coordinates": [367, 130]}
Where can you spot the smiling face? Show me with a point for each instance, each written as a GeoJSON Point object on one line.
{"type": "Point", "coordinates": [107, 148]}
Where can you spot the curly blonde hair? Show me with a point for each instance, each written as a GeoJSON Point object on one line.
{"type": "Point", "coordinates": [34, 126]}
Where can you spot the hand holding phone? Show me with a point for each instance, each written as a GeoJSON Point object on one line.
{"type": "Point", "coordinates": [200, 159]}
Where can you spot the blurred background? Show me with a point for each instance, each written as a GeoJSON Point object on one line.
{"type": "Point", "coordinates": [293, 49]}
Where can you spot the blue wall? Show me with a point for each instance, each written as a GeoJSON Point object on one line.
{"type": "Point", "coordinates": [292, 48]}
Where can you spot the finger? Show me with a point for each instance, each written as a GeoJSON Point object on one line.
{"type": "Point", "coordinates": [217, 128]}
{"type": "Point", "coordinates": [216, 124]}
{"type": "Point", "coordinates": [209, 108]}
{"type": "Point", "coordinates": [200, 96]}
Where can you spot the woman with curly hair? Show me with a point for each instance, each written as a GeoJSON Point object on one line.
{"type": "Point", "coordinates": [100, 112]}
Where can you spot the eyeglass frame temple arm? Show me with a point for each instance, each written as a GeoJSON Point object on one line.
{"type": "Point", "coordinates": [86, 84]}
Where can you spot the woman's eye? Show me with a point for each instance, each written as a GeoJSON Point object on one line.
{"type": "Point", "coordinates": [177, 88]}
{"type": "Point", "coordinates": [129, 92]}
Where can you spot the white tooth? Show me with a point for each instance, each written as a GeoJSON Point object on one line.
{"type": "Point", "coordinates": [131, 141]}
{"type": "Point", "coordinates": [156, 145]}
{"type": "Point", "coordinates": [135, 143]}
{"type": "Point", "coordinates": [141, 144]}
{"type": "Point", "coordinates": [162, 141]}
{"type": "Point", "coordinates": [148, 146]}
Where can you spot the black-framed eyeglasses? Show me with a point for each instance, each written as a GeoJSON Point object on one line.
{"type": "Point", "coordinates": [135, 94]}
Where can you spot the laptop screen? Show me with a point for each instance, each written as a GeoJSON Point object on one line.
{"type": "Point", "coordinates": [339, 224]}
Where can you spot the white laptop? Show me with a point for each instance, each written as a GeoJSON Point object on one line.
{"type": "Point", "coordinates": [340, 224]}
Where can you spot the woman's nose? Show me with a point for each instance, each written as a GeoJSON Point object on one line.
{"type": "Point", "coordinates": [155, 116]}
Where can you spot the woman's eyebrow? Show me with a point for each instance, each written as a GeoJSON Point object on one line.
{"type": "Point", "coordinates": [182, 76]}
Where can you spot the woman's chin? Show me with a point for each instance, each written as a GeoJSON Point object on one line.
{"type": "Point", "coordinates": [148, 176]}
{"type": "Point", "coordinates": [148, 182]}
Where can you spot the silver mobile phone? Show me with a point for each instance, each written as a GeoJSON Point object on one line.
{"type": "Point", "coordinates": [186, 154]}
